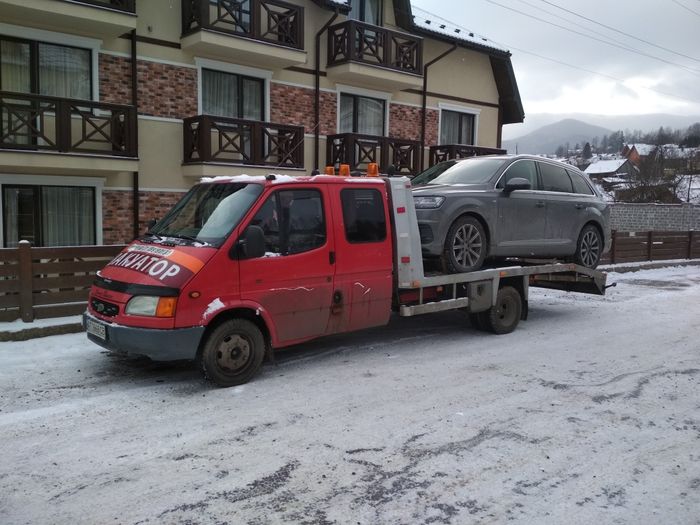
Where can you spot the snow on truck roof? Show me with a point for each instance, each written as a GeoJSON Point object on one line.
{"type": "Point", "coordinates": [282, 179]}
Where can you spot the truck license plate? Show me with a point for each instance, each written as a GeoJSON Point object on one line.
{"type": "Point", "coordinates": [96, 329]}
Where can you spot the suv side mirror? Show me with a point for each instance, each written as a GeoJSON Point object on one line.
{"type": "Point", "coordinates": [250, 245]}
{"type": "Point", "coordinates": [517, 183]}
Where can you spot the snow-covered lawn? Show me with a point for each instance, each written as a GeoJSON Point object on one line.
{"type": "Point", "coordinates": [588, 413]}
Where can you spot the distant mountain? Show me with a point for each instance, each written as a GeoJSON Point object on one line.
{"type": "Point", "coordinates": [645, 123]}
{"type": "Point", "coordinates": [546, 139]}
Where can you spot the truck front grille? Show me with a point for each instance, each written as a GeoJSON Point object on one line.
{"type": "Point", "coordinates": [104, 308]}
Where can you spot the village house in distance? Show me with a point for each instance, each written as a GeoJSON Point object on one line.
{"type": "Point", "coordinates": [111, 109]}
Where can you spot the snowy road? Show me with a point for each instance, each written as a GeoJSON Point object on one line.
{"type": "Point", "coordinates": [588, 413]}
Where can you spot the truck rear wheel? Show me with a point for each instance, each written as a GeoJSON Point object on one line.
{"type": "Point", "coordinates": [233, 353]}
{"type": "Point", "coordinates": [504, 316]}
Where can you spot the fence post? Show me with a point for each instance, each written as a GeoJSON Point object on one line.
{"type": "Point", "coordinates": [613, 246]}
{"type": "Point", "coordinates": [26, 307]}
{"type": "Point", "coordinates": [690, 244]}
{"type": "Point", "coordinates": [650, 244]}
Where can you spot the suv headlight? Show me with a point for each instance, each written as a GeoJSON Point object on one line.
{"type": "Point", "coordinates": [428, 203]}
{"type": "Point", "coordinates": [151, 306]}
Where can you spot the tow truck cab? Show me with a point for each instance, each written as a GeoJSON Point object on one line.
{"type": "Point", "coordinates": [293, 258]}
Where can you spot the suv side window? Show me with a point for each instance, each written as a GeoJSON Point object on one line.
{"type": "Point", "coordinates": [580, 185]}
{"type": "Point", "coordinates": [555, 178]}
{"type": "Point", "coordinates": [292, 221]}
{"type": "Point", "coordinates": [363, 215]}
{"type": "Point", "coordinates": [525, 169]}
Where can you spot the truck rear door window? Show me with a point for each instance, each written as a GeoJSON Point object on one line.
{"type": "Point", "coordinates": [363, 215]}
{"type": "Point", "coordinates": [292, 221]}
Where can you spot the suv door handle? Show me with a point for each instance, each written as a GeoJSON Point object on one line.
{"type": "Point", "coordinates": [580, 206]}
{"type": "Point", "coordinates": [539, 204]}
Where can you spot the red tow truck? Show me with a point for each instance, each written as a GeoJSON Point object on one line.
{"type": "Point", "coordinates": [243, 266]}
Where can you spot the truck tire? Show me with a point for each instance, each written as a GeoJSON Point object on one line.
{"type": "Point", "coordinates": [589, 247]}
{"type": "Point", "coordinates": [232, 353]}
{"type": "Point", "coordinates": [504, 316]}
{"type": "Point", "coordinates": [465, 246]}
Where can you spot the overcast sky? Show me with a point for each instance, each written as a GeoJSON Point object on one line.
{"type": "Point", "coordinates": [645, 85]}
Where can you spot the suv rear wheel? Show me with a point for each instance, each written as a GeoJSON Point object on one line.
{"type": "Point", "coordinates": [589, 247]}
{"type": "Point", "coordinates": [465, 246]}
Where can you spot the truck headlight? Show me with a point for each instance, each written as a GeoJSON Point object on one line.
{"type": "Point", "coordinates": [428, 203]}
{"type": "Point", "coordinates": [151, 306]}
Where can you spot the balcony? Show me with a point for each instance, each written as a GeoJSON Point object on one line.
{"type": "Point", "coordinates": [228, 141]}
{"type": "Point", "coordinates": [375, 56]}
{"type": "Point", "coordinates": [359, 150]}
{"type": "Point", "coordinates": [460, 151]}
{"type": "Point", "coordinates": [95, 18]}
{"type": "Point", "coordinates": [262, 33]}
{"type": "Point", "coordinates": [52, 134]}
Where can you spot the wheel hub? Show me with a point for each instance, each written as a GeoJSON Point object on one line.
{"type": "Point", "coordinates": [466, 246]}
{"type": "Point", "coordinates": [233, 352]}
{"type": "Point", "coordinates": [590, 249]}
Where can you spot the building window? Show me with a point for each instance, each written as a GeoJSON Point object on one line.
{"type": "Point", "coordinates": [457, 127]}
{"type": "Point", "coordinates": [48, 215]}
{"type": "Point", "coordinates": [369, 11]}
{"type": "Point", "coordinates": [232, 95]}
{"type": "Point", "coordinates": [362, 115]}
{"type": "Point", "coordinates": [47, 69]}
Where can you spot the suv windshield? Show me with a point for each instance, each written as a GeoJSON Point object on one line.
{"type": "Point", "coordinates": [208, 213]}
{"type": "Point", "coordinates": [428, 175]}
{"type": "Point", "coordinates": [470, 171]}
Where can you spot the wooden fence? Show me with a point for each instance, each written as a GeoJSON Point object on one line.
{"type": "Point", "coordinates": [37, 283]}
{"type": "Point", "coordinates": [652, 246]}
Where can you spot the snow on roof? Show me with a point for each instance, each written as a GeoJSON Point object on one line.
{"type": "Point", "coordinates": [643, 149]}
{"type": "Point", "coordinates": [433, 23]}
{"type": "Point", "coordinates": [605, 166]}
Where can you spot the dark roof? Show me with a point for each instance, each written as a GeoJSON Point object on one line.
{"type": "Point", "coordinates": [509, 96]}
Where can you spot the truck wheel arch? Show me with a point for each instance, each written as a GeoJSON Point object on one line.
{"type": "Point", "coordinates": [255, 315]}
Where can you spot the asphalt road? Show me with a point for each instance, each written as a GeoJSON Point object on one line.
{"type": "Point", "coordinates": [588, 413]}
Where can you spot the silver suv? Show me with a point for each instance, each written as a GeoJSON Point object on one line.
{"type": "Point", "coordinates": [511, 206]}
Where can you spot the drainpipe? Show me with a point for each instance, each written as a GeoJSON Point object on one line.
{"type": "Point", "coordinates": [135, 102]}
{"type": "Point", "coordinates": [425, 102]}
{"type": "Point", "coordinates": [317, 102]}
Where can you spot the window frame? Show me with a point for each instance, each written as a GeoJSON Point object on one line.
{"type": "Point", "coordinates": [38, 210]}
{"type": "Point", "coordinates": [474, 112]}
{"type": "Point", "coordinates": [572, 174]}
{"type": "Point", "coordinates": [34, 68]}
{"type": "Point", "coordinates": [542, 186]}
{"type": "Point", "coordinates": [240, 78]}
{"type": "Point", "coordinates": [355, 114]}
{"type": "Point", "coordinates": [538, 182]}
{"type": "Point", "coordinates": [362, 14]}
{"type": "Point", "coordinates": [22, 33]}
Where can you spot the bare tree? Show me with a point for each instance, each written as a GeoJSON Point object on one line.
{"type": "Point", "coordinates": [653, 182]}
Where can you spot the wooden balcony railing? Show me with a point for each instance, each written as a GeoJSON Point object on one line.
{"type": "Point", "coordinates": [128, 6]}
{"type": "Point", "coordinates": [359, 150]}
{"type": "Point", "coordinates": [39, 122]}
{"type": "Point", "coordinates": [460, 151]}
{"type": "Point", "coordinates": [272, 21]}
{"type": "Point", "coordinates": [354, 41]}
{"type": "Point", "coordinates": [238, 141]}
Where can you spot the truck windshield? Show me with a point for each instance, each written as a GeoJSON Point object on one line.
{"type": "Point", "coordinates": [208, 212]}
{"type": "Point", "coordinates": [470, 171]}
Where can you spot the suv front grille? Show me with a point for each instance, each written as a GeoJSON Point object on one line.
{"type": "Point", "coordinates": [104, 308]}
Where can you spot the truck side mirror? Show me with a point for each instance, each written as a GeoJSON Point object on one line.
{"type": "Point", "coordinates": [250, 245]}
{"type": "Point", "coordinates": [517, 183]}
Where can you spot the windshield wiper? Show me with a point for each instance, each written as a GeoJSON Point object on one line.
{"type": "Point", "coordinates": [187, 238]}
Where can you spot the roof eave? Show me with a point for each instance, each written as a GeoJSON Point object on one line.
{"type": "Point", "coordinates": [333, 6]}
{"type": "Point", "coordinates": [508, 93]}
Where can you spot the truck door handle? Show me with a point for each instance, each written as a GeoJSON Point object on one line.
{"type": "Point", "coordinates": [331, 257]}
{"type": "Point", "coordinates": [539, 204]}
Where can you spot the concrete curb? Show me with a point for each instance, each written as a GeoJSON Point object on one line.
{"type": "Point", "coordinates": [40, 331]}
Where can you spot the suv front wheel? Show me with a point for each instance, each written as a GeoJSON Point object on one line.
{"type": "Point", "coordinates": [465, 246]}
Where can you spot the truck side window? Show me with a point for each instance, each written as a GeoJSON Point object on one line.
{"type": "Point", "coordinates": [292, 221]}
{"type": "Point", "coordinates": [363, 215]}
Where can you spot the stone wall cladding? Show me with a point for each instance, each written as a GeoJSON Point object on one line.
{"type": "Point", "coordinates": [405, 123]}
{"type": "Point", "coordinates": [164, 90]}
{"type": "Point", "coordinates": [654, 217]}
{"type": "Point", "coordinates": [117, 212]}
{"type": "Point", "coordinates": [295, 106]}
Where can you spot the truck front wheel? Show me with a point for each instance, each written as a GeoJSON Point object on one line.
{"type": "Point", "coordinates": [504, 316]}
{"type": "Point", "coordinates": [233, 353]}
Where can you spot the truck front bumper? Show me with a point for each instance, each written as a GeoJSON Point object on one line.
{"type": "Point", "coordinates": [158, 345]}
